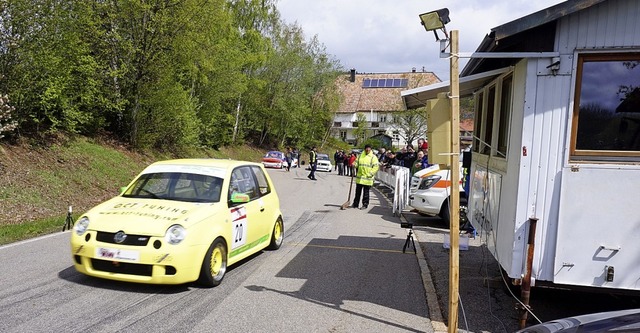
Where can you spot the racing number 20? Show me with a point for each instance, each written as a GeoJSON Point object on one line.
{"type": "Point", "coordinates": [239, 232]}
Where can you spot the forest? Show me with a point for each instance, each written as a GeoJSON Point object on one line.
{"type": "Point", "coordinates": [163, 74]}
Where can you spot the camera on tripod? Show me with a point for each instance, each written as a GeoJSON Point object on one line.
{"type": "Point", "coordinates": [409, 243]}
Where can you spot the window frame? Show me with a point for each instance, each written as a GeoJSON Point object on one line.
{"type": "Point", "coordinates": [592, 155]}
{"type": "Point", "coordinates": [489, 125]}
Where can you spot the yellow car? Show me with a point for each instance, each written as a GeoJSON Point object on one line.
{"type": "Point", "coordinates": [180, 221]}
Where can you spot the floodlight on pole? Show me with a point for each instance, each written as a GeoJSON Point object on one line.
{"type": "Point", "coordinates": [433, 21]}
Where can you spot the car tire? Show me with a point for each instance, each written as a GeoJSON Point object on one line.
{"type": "Point", "coordinates": [445, 215]}
{"type": "Point", "coordinates": [277, 235]}
{"type": "Point", "coordinates": [214, 265]}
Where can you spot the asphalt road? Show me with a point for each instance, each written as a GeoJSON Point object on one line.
{"type": "Point", "coordinates": [338, 271]}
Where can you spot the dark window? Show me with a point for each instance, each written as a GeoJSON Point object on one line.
{"type": "Point", "coordinates": [606, 115]}
{"type": "Point", "coordinates": [488, 121]}
{"type": "Point", "coordinates": [478, 122]}
{"type": "Point", "coordinates": [375, 124]}
{"type": "Point", "coordinates": [337, 124]}
{"type": "Point", "coordinates": [505, 114]}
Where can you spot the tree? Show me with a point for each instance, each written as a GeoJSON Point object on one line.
{"type": "Point", "coordinates": [412, 124]}
{"type": "Point", "coordinates": [360, 131]}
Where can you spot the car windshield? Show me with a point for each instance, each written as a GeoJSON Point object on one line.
{"type": "Point", "coordinates": [323, 157]}
{"type": "Point", "coordinates": [274, 154]}
{"type": "Point", "coordinates": [177, 186]}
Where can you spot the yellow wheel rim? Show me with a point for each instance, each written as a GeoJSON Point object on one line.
{"type": "Point", "coordinates": [277, 230]}
{"type": "Point", "coordinates": [216, 261]}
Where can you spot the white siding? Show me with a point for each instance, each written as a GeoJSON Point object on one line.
{"type": "Point", "coordinates": [611, 24]}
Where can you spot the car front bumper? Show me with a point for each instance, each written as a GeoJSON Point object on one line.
{"type": "Point", "coordinates": [169, 264]}
{"type": "Point", "coordinates": [426, 202]}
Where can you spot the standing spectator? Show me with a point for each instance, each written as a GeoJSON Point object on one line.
{"type": "Point", "coordinates": [367, 166]}
{"type": "Point", "coordinates": [381, 153]}
{"type": "Point", "coordinates": [352, 166]}
{"type": "Point", "coordinates": [423, 145]}
{"type": "Point", "coordinates": [335, 159]}
{"type": "Point", "coordinates": [390, 159]}
{"type": "Point", "coordinates": [400, 156]}
{"type": "Point", "coordinates": [289, 157]}
{"type": "Point", "coordinates": [420, 163]}
{"type": "Point", "coordinates": [409, 157]}
{"type": "Point", "coordinates": [313, 163]}
{"type": "Point", "coordinates": [340, 162]}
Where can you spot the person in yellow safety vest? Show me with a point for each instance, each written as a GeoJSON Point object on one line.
{"type": "Point", "coordinates": [367, 166]}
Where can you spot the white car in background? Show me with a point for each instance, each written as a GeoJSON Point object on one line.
{"type": "Point", "coordinates": [324, 163]}
{"type": "Point", "coordinates": [430, 191]}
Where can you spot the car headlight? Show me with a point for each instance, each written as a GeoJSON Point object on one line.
{"type": "Point", "coordinates": [81, 226]}
{"type": "Point", "coordinates": [428, 182]}
{"type": "Point", "coordinates": [175, 234]}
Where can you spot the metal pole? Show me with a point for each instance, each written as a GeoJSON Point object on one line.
{"type": "Point", "coordinates": [454, 201]}
{"type": "Point", "coordinates": [525, 290]}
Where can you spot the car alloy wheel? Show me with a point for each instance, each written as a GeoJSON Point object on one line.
{"type": "Point", "coordinates": [214, 265]}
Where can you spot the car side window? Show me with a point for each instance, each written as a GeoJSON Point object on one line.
{"type": "Point", "coordinates": [263, 184]}
{"type": "Point", "coordinates": [242, 181]}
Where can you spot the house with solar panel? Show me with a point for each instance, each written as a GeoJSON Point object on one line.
{"type": "Point", "coordinates": [555, 167]}
{"type": "Point", "coordinates": [370, 101]}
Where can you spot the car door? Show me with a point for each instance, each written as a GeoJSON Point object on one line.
{"type": "Point", "coordinates": [245, 216]}
{"type": "Point", "coordinates": [268, 202]}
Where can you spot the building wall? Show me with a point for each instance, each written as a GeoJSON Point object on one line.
{"type": "Point", "coordinates": [378, 105]}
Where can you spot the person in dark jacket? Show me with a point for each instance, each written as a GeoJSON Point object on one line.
{"type": "Point", "coordinates": [409, 158]}
{"type": "Point", "coordinates": [340, 162]}
{"type": "Point", "coordinates": [313, 163]}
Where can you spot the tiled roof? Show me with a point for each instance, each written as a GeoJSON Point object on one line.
{"type": "Point", "coordinates": [357, 98]}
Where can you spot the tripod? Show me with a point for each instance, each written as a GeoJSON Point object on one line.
{"type": "Point", "coordinates": [68, 223]}
{"type": "Point", "coordinates": [409, 242]}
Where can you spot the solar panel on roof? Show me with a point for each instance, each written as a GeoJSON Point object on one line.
{"type": "Point", "coordinates": [385, 83]}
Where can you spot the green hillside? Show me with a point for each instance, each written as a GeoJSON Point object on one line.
{"type": "Point", "coordinates": [38, 183]}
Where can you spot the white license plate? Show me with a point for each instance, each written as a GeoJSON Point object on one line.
{"type": "Point", "coordinates": [117, 254]}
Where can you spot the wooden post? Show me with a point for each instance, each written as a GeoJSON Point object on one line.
{"type": "Point", "coordinates": [454, 202]}
{"type": "Point", "coordinates": [525, 288]}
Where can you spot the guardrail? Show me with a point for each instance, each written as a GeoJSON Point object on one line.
{"type": "Point", "coordinates": [398, 179]}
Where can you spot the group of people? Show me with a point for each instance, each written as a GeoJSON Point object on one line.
{"type": "Point", "coordinates": [407, 157]}
{"type": "Point", "coordinates": [344, 163]}
{"type": "Point", "coordinates": [363, 167]}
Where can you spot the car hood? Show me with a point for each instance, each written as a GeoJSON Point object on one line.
{"type": "Point", "coordinates": [148, 216]}
{"type": "Point", "coordinates": [612, 321]}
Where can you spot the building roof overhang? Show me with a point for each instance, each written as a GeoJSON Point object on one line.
{"type": "Point", "coordinates": [418, 97]}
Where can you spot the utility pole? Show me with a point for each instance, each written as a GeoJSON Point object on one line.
{"type": "Point", "coordinates": [454, 202]}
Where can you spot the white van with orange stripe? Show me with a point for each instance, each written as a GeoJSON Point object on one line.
{"type": "Point", "coordinates": [430, 190]}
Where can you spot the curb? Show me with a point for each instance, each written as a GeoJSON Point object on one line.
{"type": "Point", "coordinates": [437, 321]}
{"type": "Point", "coordinates": [435, 313]}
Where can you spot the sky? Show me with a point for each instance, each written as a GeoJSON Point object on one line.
{"type": "Point", "coordinates": [385, 36]}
